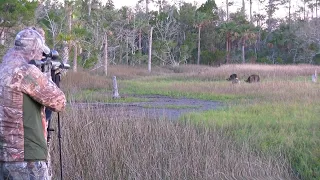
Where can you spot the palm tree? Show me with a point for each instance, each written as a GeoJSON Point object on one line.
{"type": "Point", "coordinates": [247, 35]}
{"type": "Point", "coordinates": [229, 29]}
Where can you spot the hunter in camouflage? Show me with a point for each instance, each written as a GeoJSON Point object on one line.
{"type": "Point", "coordinates": [24, 92]}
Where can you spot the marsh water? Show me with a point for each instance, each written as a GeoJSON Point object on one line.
{"type": "Point", "coordinates": [157, 106]}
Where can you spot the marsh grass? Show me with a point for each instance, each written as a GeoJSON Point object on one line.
{"type": "Point", "coordinates": [291, 129]}
{"type": "Point", "coordinates": [97, 145]}
{"type": "Point", "coordinates": [269, 126]}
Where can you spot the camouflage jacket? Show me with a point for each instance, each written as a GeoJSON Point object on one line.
{"type": "Point", "coordinates": [18, 78]}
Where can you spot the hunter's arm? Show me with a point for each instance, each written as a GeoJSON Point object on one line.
{"type": "Point", "coordinates": [42, 89]}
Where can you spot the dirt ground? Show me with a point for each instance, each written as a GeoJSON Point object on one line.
{"type": "Point", "coordinates": [157, 107]}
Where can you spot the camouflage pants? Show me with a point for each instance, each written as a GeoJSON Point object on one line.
{"type": "Point", "coordinates": [36, 170]}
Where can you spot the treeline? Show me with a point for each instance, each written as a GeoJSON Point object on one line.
{"type": "Point", "coordinates": [92, 34]}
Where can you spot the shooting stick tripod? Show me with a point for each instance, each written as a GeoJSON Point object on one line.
{"type": "Point", "coordinates": [56, 79]}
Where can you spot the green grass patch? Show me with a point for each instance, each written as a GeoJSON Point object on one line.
{"type": "Point", "coordinates": [164, 87]}
{"type": "Point", "coordinates": [302, 78]}
{"type": "Point", "coordinates": [277, 129]}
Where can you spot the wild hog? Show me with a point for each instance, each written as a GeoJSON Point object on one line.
{"type": "Point", "coordinates": [232, 77]}
{"type": "Point", "coordinates": [235, 81]}
{"type": "Point", "coordinates": [253, 78]}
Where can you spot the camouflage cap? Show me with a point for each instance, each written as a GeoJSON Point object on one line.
{"type": "Point", "coordinates": [30, 39]}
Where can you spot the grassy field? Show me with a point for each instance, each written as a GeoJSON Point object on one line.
{"type": "Point", "coordinates": [267, 130]}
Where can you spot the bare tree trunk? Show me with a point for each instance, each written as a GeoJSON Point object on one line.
{"type": "Point", "coordinates": [317, 8]}
{"type": "Point", "coordinates": [75, 57]}
{"type": "Point", "coordinates": [227, 48]}
{"type": "Point", "coordinates": [251, 11]}
{"type": "Point", "coordinates": [147, 6]}
{"type": "Point", "coordinates": [120, 55]}
{"type": "Point", "coordinates": [89, 7]}
{"type": "Point", "coordinates": [2, 36]}
{"type": "Point", "coordinates": [227, 4]}
{"type": "Point", "coordinates": [199, 50]}
{"type": "Point", "coordinates": [160, 6]}
{"type": "Point", "coordinates": [127, 51]}
{"type": "Point", "coordinates": [140, 44]}
{"type": "Point", "coordinates": [105, 53]}
{"type": "Point", "coordinates": [69, 17]}
{"type": "Point", "coordinates": [150, 50]}
{"type": "Point", "coordinates": [69, 21]}
{"type": "Point", "coordinates": [243, 51]}
{"type": "Point", "coordinates": [65, 54]}
{"type": "Point", "coordinates": [115, 88]}
{"type": "Point", "coordinates": [269, 14]}
{"type": "Point", "coordinates": [140, 40]}
{"type": "Point", "coordinates": [304, 10]}
{"type": "Point", "coordinates": [289, 13]}
{"type": "Point", "coordinates": [80, 50]}
{"type": "Point", "coordinates": [243, 9]}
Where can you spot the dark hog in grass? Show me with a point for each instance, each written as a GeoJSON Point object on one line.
{"type": "Point", "coordinates": [232, 77]}
{"type": "Point", "coordinates": [253, 78]}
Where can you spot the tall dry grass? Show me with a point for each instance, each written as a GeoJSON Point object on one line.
{"type": "Point", "coordinates": [244, 70]}
{"type": "Point", "coordinates": [132, 72]}
{"type": "Point", "coordinates": [73, 82]}
{"type": "Point", "coordinates": [99, 144]}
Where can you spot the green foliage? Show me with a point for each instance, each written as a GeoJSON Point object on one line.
{"type": "Point", "coordinates": [140, 57]}
{"type": "Point", "coordinates": [279, 60]}
{"type": "Point", "coordinates": [316, 59]}
{"type": "Point", "coordinates": [189, 44]}
{"type": "Point", "coordinates": [224, 28]}
{"type": "Point", "coordinates": [187, 14]}
{"type": "Point", "coordinates": [207, 57]}
{"type": "Point", "coordinates": [208, 8]}
{"type": "Point", "coordinates": [110, 5]}
{"type": "Point", "coordinates": [219, 56]}
{"type": "Point", "coordinates": [264, 60]}
{"type": "Point", "coordinates": [89, 62]}
{"type": "Point", "coordinates": [80, 32]}
{"type": "Point", "coordinates": [65, 37]}
{"type": "Point", "coordinates": [14, 12]}
{"type": "Point", "coordinates": [239, 18]}
{"type": "Point", "coordinates": [313, 46]}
